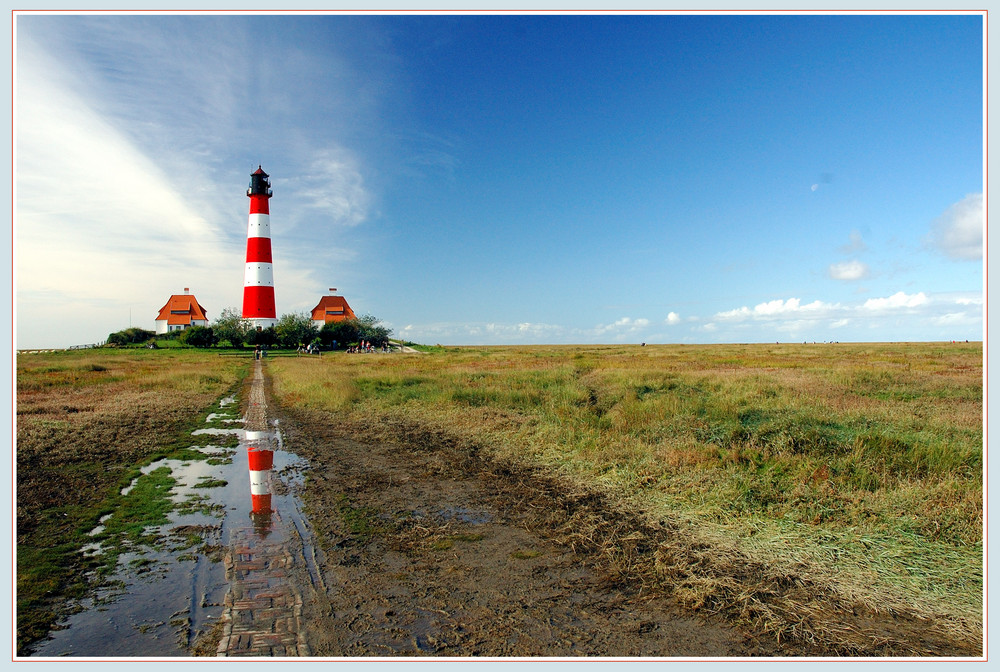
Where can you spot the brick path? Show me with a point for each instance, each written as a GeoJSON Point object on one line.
{"type": "Point", "coordinates": [262, 613]}
{"type": "Point", "coordinates": [263, 610]}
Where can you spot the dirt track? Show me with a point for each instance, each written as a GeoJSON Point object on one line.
{"type": "Point", "coordinates": [431, 552]}
{"type": "Point", "coordinates": [428, 548]}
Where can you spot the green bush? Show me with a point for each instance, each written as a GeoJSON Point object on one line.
{"type": "Point", "coordinates": [365, 328]}
{"type": "Point", "coordinates": [130, 336]}
{"type": "Point", "coordinates": [295, 329]}
{"type": "Point", "coordinates": [267, 337]}
{"type": "Point", "coordinates": [199, 337]}
{"type": "Point", "coordinates": [230, 326]}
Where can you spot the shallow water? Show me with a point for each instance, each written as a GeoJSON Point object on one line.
{"type": "Point", "coordinates": [159, 600]}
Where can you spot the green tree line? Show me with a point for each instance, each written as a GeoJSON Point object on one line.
{"type": "Point", "coordinates": [291, 331]}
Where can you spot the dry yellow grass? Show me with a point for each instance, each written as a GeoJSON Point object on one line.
{"type": "Point", "coordinates": [858, 464]}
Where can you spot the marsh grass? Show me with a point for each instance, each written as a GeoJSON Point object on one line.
{"type": "Point", "coordinates": [859, 464]}
{"type": "Point", "coordinates": [87, 421]}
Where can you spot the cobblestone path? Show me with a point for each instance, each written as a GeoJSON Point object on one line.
{"type": "Point", "coordinates": [263, 609]}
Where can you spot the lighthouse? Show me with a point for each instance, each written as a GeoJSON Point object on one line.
{"type": "Point", "coordinates": [260, 456]}
{"type": "Point", "coordinates": [258, 277]}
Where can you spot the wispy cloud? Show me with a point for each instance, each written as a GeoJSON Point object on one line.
{"type": "Point", "coordinates": [849, 270]}
{"type": "Point", "coordinates": [856, 245]}
{"type": "Point", "coordinates": [621, 328]}
{"type": "Point", "coordinates": [128, 191]}
{"type": "Point", "coordinates": [792, 316]}
{"type": "Point", "coordinates": [941, 317]}
{"type": "Point", "coordinates": [330, 192]}
{"type": "Point", "coordinates": [958, 232]}
{"type": "Point", "coordinates": [482, 333]}
{"type": "Point", "coordinates": [99, 225]}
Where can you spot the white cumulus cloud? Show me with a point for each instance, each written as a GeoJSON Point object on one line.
{"type": "Point", "coordinates": [673, 318]}
{"type": "Point", "coordinates": [849, 270]}
{"type": "Point", "coordinates": [958, 232]}
{"type": "Point", "coordinates": [908, 316]}
{"type": "Point", "coordinates": [897, 301]}
{"type": "Point", "coordinates": [777, 308]}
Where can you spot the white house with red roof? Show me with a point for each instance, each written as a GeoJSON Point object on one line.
{"type": "Point", "coordinates": [332, 308]}
{"type": "Point", "coordinates": [180, 312]}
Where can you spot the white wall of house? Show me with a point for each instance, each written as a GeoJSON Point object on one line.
{"type": "Point", "coordinates": [162, 327]}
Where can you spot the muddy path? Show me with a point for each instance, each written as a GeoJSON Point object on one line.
{"type": "Point", "coordinates": [431, 552]}
{"type": "Point", "coordinates": [428, 547]}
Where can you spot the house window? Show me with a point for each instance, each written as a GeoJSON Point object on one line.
{"type": "Point", "coordinates": [331, 311]}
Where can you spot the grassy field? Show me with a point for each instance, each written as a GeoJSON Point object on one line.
{"type": "Point", "coordinates": [859, 466]}
{"type": "Point", "coordinates": [87, 421]}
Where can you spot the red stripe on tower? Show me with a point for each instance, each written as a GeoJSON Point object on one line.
{"type": "Point", "coordinates": [260, 456]}
{"type": "Point", "coordinates": [258, 274]}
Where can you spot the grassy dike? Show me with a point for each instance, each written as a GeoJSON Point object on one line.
{"type": "Point", "coordinates": [856, 466]}
{"type": "Point", "coordinates": [87, 421]}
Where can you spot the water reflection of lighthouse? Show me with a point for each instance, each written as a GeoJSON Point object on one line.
{"type": "Point", "coordinates": [260, 457]}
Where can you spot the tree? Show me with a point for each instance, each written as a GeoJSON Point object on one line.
{"type": "Point", "coordinates": [267, 337]}
{"type": "Point", "coordinates": [230, 326]}
{"type": "Point", "coordinates": [342, 333]}
{"type": "Point", "coordinates": [199, 337]}
{"type": "Point", "coordinates": [365, 328]}
{"type": "Point", "coordinates": [130, 335]}
{"type": "Point", "coordinates": [372, 329]}
{"type": "Point", "coordinates": [295, 329]}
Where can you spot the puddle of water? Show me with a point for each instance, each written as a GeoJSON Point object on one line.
{"type": "Point", "coordinates": [216, 431]}
{"type": "Point", "coordinates": [158, 600]}
{"type": "Point", "coordinates": [222, 417]}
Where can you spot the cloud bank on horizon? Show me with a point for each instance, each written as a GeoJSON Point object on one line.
{"type": "Point", "coordinates": [508, 179]}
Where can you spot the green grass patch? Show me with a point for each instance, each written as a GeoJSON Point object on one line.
{"type": "Point", "coordinates": [208, 482]}
{"type": "Point", "coordinates": [362, 523]}
{"type": "Point", "coordinates": [87, 422]}
{"type": "Point", "coordinates": [866, 459]}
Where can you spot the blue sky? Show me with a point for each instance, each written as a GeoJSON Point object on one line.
{"type": "Point", "coordinates": [508, 179]}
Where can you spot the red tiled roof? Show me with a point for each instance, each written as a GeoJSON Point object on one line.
{"type": "Point", "coordinates": [332, 309]}
{"type": "Point", "coordinates": [182, 309]}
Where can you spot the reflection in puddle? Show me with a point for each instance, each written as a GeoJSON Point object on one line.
{"type": "Point", "coordinates": [162, 597]}
{"type": "Point", "coordinates": [260, 461]}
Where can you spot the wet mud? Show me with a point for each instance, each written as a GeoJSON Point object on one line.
{"type": "Point", "coordinates": [399, 542]}
{"type": "Point", "coordinates": [430, 548]}
{"type": "Point", "coordinates": [431, 552]}
{"type": "Point", "coordinates": [169, 597]}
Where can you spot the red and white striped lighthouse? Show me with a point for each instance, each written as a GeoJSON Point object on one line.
{"type": "Point", "coordinates": [260, 456]}
{"type": "Point", "coordinates": [258, 277]}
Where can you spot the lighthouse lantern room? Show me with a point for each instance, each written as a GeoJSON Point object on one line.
{"type": "Point", "coordinates": [258, 275]}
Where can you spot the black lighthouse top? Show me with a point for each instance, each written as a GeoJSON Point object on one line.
{"type": "Point", "coordinates": [259, 184]}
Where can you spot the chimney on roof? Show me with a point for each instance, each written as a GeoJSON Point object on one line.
{"type": "Point", "coordinates": [187, 290]}
{"type": "Point", "coordinates": [333, 289]}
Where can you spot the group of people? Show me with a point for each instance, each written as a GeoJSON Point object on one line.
{"type": "Point", "coordinates": [313, 348]}
{"type": "Point", "coordinates": [367, 346]}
